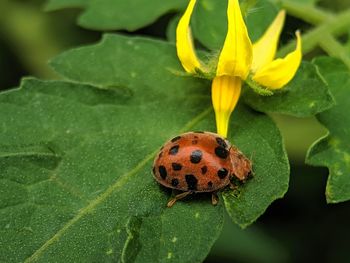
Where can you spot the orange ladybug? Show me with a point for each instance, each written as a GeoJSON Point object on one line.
{"type": "Point", "coordinates": [199, 162]}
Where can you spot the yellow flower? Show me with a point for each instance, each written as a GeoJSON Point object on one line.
{"type": "Point", "coordinates": [239, 60]}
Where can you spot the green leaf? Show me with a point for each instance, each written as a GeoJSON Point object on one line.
{"type": "Point", "coordinates": [76, 159]}
{"type": "Point", "coordinates": [306, 95]}
{"type": "Point", "coordinates": [333, 151]}
{"type": "Point", "coordinates": [209, 21]}
{"type": "Point", "coordinates": [119, 14]}
{"type": "Point", "coordinates": [76, 175]}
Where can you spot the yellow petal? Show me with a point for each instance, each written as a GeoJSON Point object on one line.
{"type": "Point", "coordinates": [264, 50]}
{"type": "Point", "coordinates": [279, 72]}
{"type": "Point", "coordinates": [236, 55]}
{"type": "Point", "coordinates": [184, 42]}
{"type": "Point", "coordinates": [225, 94]}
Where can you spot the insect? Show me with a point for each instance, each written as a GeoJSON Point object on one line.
{"type": "Point", "coordinates": [197, 162]}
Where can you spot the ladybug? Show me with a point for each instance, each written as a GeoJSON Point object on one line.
{"type": "Point", "coordinates": [196, 162]}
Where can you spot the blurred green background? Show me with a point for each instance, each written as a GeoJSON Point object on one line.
{"type": "Point", "coordinates": [299, 228]}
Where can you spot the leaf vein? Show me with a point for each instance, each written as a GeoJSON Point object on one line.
{"type": "Point", "coordinates": [117, 185]}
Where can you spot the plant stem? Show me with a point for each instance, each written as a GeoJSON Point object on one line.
{"type": "Point", "coordinates": [335, 49]}
{"type": "Point", "coordinates": [336, 26]}
{"type": "Point", "coordinates": [326, 40]}
{"type": "Point", "coordinates": [307, 12]}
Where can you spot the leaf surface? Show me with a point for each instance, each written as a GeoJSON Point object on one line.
{"type": "Point", "coordinates": [76, 160]}
{"type": "Point", "coordinates": [118, 14]}
{"type": "Point", "coordinates": [333, 150]}
{"type": "Point", "coordinates": [78, 181]}
{"type": "Point", "coordinates": [244, 121]}
{"type": "Point", "coordinates": [306, 95]}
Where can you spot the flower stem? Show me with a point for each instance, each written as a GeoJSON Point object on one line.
{"type": "Point", "coordinates": [329, 27]}
{"type": "Point", "coordinates": [335, 49]}
{"type": "Point", "coordinates": [257, 88]}
{"type": "Point", "coordinates": [317, 16]}
{"type": "Point", "coordinates": [307, 12]}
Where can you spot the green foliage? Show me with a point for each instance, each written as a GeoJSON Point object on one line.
{"type": "Point", "coordinates": [333, 150]}
{"type": "Point", "coordinates": [209, 20]}
{"type": "Point", "coordinates": [76, 177]}
{"type": "Point", "coordinates": [76, 159]}
{"type": "Point", "coordinates": [76, 154]}
{"type": "Point", "coordinates": [114, 15]}
{"type": "Point", "coordinates": [74, 65]}
{"type": "Point", "coordinates": [306, 95]}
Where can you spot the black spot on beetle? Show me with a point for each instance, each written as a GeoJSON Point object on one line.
{"type": "Point", "coordinates": [174, 150]}
{"type": "Point", "coordinates": [222, 173]}
{"type": "Point", "coordinates": [198, 131]}
{"type": "Point", "coordinates": [210, 184]}
{"type": "Point", "coordinates": [175, 138]}
{"type": "Point", "coordinates": [174, 182]}
{"type": "Point", "coordinates": [160, 154]}
{"type": "Point", "coordinates": [154, 170]}
{"type": "Point", "coordinates": [191, 181]}
{"type": "Point", "coordinates": [221, 142]}
{"type": "Point", "coordinates": [176, 166]}
{"type": "Point", "coordinates": [196, 156]}
{"type": "Point", "coordinates": [162, 171]}
{"type": "Point", "coordinates": [204, 169]}
{"type": "Point", "coordinates": [221, 152]}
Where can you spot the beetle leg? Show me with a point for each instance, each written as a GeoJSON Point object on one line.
{"type": "Point", "coordinates": [214, 198]}
{"type": "Point", "coordinates": [173, 200]}
{"type": "Point", "coordinates": [233, 186]}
